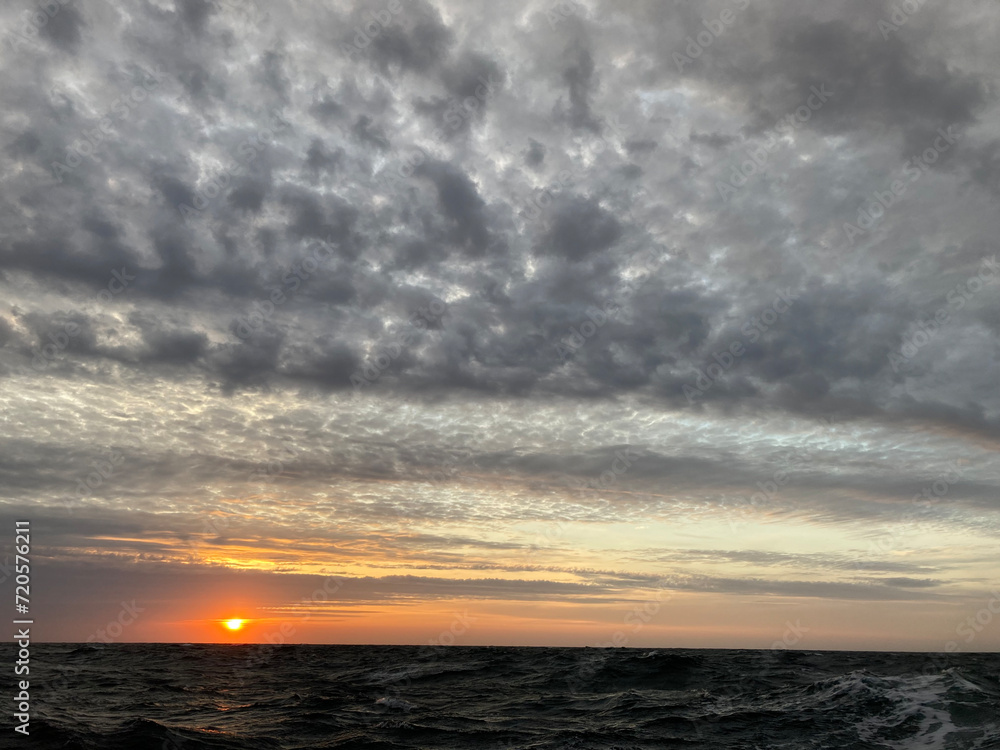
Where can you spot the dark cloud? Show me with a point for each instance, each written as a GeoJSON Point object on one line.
{"type": "Point", "coordinates": [874, 79]}
{"type": "Point", "coordinates": [367, 133]}
{"type": "Point", "coordinates": [579, 227]}
{"type": "Point", "coordinates": [63, 28]}
{"type": "Point", "coordinates": [415, 40]}
{"type": "Point", "coordinates": [580, 79]}
{"type": "Point", "coordinates": [460, 202]}
{"type": "Point", "coordinates": [194, 13]}
{"type": "Point", "coordinates": [319, 159]}
{"type": "Point", "coordinates": [535, 154]}
{"type": "Point", "coordinates": [248, 195]}
{"type": "Point", "coordinates": [712, 140]}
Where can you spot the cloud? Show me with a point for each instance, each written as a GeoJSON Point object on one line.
{"type": "Point", "coordinates": [262, 205]}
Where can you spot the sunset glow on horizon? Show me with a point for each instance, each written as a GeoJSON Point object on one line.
{"type": "Point", "coordinates": [355, 559]}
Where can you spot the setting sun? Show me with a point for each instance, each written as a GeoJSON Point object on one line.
{"type": "Point", "coordinates": [234, 624]}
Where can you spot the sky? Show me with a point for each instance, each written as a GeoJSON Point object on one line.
{"type": "Point", "coordinates": [650, 324]}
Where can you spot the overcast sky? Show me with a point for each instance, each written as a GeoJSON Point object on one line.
{"type": "Point", "coordinates": [539, 312]}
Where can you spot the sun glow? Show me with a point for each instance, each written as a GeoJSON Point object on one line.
{"type": "Point", "coordinates": [234, 624]}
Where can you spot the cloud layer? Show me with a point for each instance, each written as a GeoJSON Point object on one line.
{"type": "Point", "coordinates": [576, 295]}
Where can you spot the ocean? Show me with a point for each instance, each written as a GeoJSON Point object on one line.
{"type": "Point", "coordinates": [188, 697]}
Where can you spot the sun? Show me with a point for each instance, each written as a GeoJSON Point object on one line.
{"type": "Point", "coordinates": [234, 624]}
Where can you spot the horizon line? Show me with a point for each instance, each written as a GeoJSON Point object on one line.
{"type": "Point", "coordinates": [455, 645]}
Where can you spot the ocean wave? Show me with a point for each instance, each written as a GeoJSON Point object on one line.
{"type": "Point", "coordinates": [394, 704]}
{"type": "Point", "coordinates": [155, 697]}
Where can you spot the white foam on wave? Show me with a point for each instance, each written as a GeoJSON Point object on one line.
{"type": "Point", "coordinates": [395, 703]}
{"type": "Point", "coordinates": [920, 697]}
{"type": "Point", "coordinates": [963, 681]}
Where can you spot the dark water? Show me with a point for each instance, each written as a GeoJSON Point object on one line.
{"type": "Point", "coordinates": [159, 697]}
